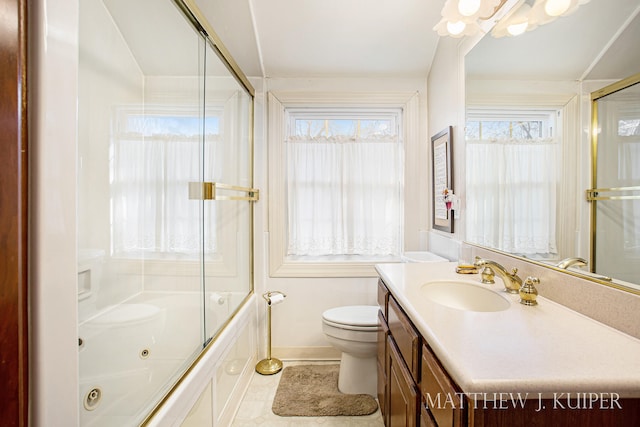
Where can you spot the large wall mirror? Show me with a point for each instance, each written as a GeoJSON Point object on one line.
{"type": "Point", "coordinates": [528, 139]}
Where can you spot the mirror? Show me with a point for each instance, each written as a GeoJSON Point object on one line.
{"type": "Point", "coordinates": [528, 156]}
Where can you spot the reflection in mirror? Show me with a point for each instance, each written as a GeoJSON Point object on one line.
{"type": "Point", "coordinates": [527, 140]}
{"type": "Point", "coordinates": [615, 197]}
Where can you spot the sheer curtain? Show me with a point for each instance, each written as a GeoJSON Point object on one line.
{"type": "Point", "coordinates": [344, 186]}
{"type": "Point", "coordinates": [151, 210]}
{"type": "Point", "coordinates": [511, 194]}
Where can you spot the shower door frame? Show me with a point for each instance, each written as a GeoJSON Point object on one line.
{"type": "Point", "coordinates": [594, 194]}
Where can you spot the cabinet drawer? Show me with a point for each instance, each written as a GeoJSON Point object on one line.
{"type": "Point", "coordinates": [383, 298]}
{"type": "Point", "coordinates": [439, 393]}
{"type": "Point", "coordinates": [406, 337]}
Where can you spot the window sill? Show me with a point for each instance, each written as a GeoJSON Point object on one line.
{"type": "Point", "coordinates": [331, 266]}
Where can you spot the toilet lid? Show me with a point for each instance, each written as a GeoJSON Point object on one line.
{"type": "Point", "coordinates": [354, 315]}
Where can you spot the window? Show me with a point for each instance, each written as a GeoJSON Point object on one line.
{"type": "Point", "coordinates": [513, 160]}
{"type": "Point", "coordinates": [344, 181]}
{"type": "Point", "coordinates": [336, 182]}
{"type": "Point", "coordinates": [154, 155]}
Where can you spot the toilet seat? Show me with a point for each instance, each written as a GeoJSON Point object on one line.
{"type": "Point", "coordinates": [354, 317]}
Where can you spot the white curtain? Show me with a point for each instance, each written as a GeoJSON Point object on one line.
{"type": "Point", "coordinates": [570, 192]}
{"type": "Point", "coordinates": [151, 210]}
{"type": "Point", "coordinates": [344, 195]}
{"type": "Point", "coordinates": [511, 194]}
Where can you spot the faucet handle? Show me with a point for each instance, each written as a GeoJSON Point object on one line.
{"type": "Point", "coordinates": [488, 275]}
{"type": "Point", "coordinates": [528, 291]}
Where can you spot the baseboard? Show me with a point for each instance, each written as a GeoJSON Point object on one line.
{"type": "Point", "coordinates": [306, 353]}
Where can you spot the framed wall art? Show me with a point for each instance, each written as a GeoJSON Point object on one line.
{"type": "Point", "coordinates": [442, 180]}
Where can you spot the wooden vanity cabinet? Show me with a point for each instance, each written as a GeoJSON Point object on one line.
{"type": "Point", "coordinates": [398, 364]}
{"type": "Point", "coordinates": [414, 389]}
{"type": "Point", "coordinates": [441, 398]}
{"type": "Point", "coordinates": [403, 396]}
{"type": "Point", "coordinates": [383, 354]}
{"type": "Point", "coordinates": [383, 367]}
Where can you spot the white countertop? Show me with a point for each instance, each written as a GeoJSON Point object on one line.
{"type": "Point", "coordinates": [543, 349]}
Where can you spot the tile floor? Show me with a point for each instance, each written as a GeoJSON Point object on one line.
{"type": "Point", "coordinates": [255, 409]}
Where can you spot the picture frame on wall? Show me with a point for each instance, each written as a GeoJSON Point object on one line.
{"type": "Point", "coordinates": [442, 180]}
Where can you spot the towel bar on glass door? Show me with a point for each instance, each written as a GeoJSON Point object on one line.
{"type": "Point", "coordinates": [594, 194]}
{"type": "Point", "coordinates": [209, 191]}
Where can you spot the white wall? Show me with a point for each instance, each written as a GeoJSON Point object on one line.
{"type": "Point", "coordinates": [53, 323]}
{"type": "Point", "coordinates": [446, 108]}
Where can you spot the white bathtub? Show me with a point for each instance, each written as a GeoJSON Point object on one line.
{"type": "Point", "coordinates": [131, 353]}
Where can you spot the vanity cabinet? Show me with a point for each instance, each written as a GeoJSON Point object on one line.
{"type": "Point", "coordinates": [441, 398]}
{"type": "Point", "coordinates": [398, 364]}
{"type": "Point", "coordinates": [415, 390]}
{"type": "Point", "coordinates": [383, 354]}
{"type": "Point", "coordinates": [403, 396]}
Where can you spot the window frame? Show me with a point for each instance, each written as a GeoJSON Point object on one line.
{"type": "Point", "coordinates": [280, 265]}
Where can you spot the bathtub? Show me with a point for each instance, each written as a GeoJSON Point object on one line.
{"type": "Point", "coordinates": [132, 353]}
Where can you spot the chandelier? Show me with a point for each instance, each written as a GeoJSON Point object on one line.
{"type": "Point", "coordinates": [464, 17]}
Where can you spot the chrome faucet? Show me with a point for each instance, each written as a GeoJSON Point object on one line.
{"type": "Point", "coordinates": [574, 261]}
{"type": "Point", "coordinates": [512, 282]}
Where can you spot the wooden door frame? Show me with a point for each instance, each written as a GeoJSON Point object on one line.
{"type": "Point", "coordinates": [14, 218]}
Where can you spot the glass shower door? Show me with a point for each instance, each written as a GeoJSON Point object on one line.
{"type": "Point", "coordinates": [616, 215]}
{"type": "Point", "coordinates": [141, 126]}
{"type": "Point", "coordinates": [227, 171]}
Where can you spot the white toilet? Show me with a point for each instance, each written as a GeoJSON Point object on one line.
{"type": "Point", "coordinates": [354, 331]}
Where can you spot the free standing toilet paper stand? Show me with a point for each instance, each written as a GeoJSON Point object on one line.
{"type": "Point", "coordinates": [270, 366]}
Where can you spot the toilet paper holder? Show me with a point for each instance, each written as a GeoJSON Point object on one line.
{"type": "Point", "coordinates": [270, 366]}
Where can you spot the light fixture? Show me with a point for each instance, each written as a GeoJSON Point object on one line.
{"type": "Point", "coordinates": [556, 7]}
{"type": "Point", "coordinates": [465, 17]}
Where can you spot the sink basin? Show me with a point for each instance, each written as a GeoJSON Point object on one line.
{"type": "Point", "coordinates": [464, 296]}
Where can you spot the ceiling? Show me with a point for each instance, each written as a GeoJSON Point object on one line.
{"type": "Point", "coordinates": [379, 38]}
{"type": "Point", "coordinates": [384, 38]}
{"type": "Point", "coordinates": [328, 38]}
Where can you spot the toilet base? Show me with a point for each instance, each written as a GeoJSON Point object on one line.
{"type": "Point", "coordinates": [358, 375]}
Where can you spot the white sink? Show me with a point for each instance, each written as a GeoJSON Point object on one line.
{"type": "Point", "coordinates": [464, 296]}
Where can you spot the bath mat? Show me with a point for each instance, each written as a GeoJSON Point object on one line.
{"type": "Point", "coordinates": [312, 391]}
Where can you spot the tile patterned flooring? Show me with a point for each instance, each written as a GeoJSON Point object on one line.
{"type": "Point", "coordinates": [255, 409]}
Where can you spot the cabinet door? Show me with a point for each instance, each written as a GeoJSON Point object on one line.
{"type": "Point", "coordinates": [403, 393]}
{"type": "Point", "coordinates": [439, 392]}
{"type": "Point", "coordinates": [383, 365]}
{"type": "Point", "coordinates": [425, 418]}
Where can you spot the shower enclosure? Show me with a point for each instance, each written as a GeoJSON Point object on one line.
{"type": "Point", "coordinates": [164, 201]}
{"type": "Point", "coordinates": [615, 193]}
